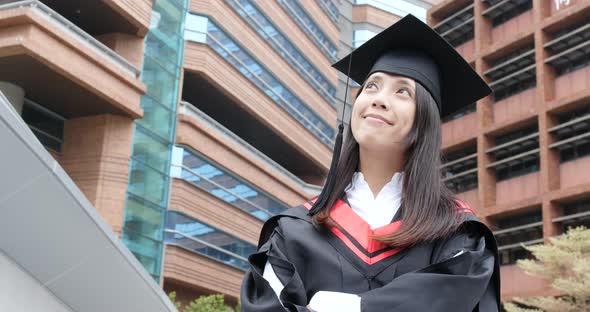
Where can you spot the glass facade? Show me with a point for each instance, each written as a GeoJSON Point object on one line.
{"type": "Point", "coordinates": [188, 233]}
{"type": "Point", "coordinates": [224, 185]}
{"type": "Point", "coordinates": [309, 26]}
{"type": "Point", "coordinates": [284, 47]}
{"type": "Point", "coordinates": [199, 28]}
{"type": "Point", "coordinates": [154, 134]}
{"type": "Point", "coordinates": [331, 10]}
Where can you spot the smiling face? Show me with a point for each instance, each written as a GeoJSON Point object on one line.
{"type": "Point", "coordinates": [384, 111]}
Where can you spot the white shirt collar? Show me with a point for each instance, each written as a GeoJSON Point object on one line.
{"type": "Point", "coordinates": [376, 211]}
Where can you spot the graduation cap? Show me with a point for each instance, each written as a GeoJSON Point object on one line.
{"type": "Point", "coordinates": [412, 49]}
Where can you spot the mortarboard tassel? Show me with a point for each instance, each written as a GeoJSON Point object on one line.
{"type": "Point", "coordinates": [322, 199]}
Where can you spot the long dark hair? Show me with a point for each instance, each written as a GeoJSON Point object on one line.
{"type": "Point", "coordinates": [428, 207]}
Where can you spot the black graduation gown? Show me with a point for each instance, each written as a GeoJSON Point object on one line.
{"type": "Point", "coordinates": [426, 277]}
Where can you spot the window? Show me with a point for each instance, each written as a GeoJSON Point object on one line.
{"type": "Point", "coordinates": [460, 169]}
{"type": "Point", "coordinates": [569, 49]}
{"type": "Point", "coordinates": [513, 73]}
{"type": "Point", "coordinates": [464, 111]}
{"type": "Point", "coordinates": [514, 231]}
{"type": "Point", "coordinates": [47, 126]}
{"type": "Point", "coordinates": [575, 214]}
{"type": "Point", "coordinates": [457, 27]}
{"type": "Point", "coordinates": [220, 183]}
{"type": "Point", "coordinates": [500, 11]}
{"type": "Point", "coordinates": [310, 27]}
{"type": "Point", "coordinates": [221, 43]}
{"type": "Point", "coordinates": [572, 134]}
{"type": "Point", "coordinates": [516, 153]}
{"type": "Point", "coordinates": [283, 46]}
{"type": "Point", "coordinates": [198, 237]}
{"type": "Point", "coordinates": [331, 10]}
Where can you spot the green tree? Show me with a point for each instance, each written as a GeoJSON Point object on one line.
{"type": "Point", "coordinates": [210, 303]}
{"type": "Point", "coordinates": [565, 262]}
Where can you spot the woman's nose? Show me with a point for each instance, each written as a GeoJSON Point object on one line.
{"type": "Point", "coordinates": [379, 104]}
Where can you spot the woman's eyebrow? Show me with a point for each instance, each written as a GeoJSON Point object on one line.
{"type": "Point", "coordinates": [375, 77]}
{"type": "Point", "coordinates": [407, 83]}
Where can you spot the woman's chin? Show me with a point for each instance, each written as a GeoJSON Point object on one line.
{"type": "Point", "coordinates": [374, 144]}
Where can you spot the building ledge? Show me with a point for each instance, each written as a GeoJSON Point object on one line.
{"type": "Point", "coordinates": [199, 271]}
{"type": "Point", "coordinates": [200, 58]}
{"type": "Point", "coordinates": [86, 77]}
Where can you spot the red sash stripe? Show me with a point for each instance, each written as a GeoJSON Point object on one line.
{"type": "Point", "coordinates": [357, 228]}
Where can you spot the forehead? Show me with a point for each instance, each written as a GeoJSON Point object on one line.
{"type": "Point", "coordinates": [392, 78]}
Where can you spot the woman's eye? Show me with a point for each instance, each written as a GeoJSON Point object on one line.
{"type": "Point", "coordinates": [371, 85]}
{"type": "Point", "coordinates": [404, 90]}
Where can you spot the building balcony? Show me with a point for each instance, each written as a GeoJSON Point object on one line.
{"type": "Point", "coordinates": [460, 129]}
{"type": "Point", "coordinates": [512, 70]}
{"type": "Point", "coordinates": [516, 107]}
{"type": "Point", "coordinates": [577, 81]}
{"type": "Point", "coordinates": [516, 164]}
{"type": "Point", "coordinates": [364, 12]}
{"type": "Point", "coordinates": [195, 271]}
{"type": "Point", "coordinates": [517, 189]}
{"type": "Point", "coordinates": [310, 18]}
{"type": "Point", "coordinates": [572, 142]}
{"type": "Point", "coordinates": [137, 12]}
{"type": "Point", "coordinates": [201, 256]}
{"type": "Point", "coordinates": [570, 58]}
{"type": "Point", "coordinates": [288, 123]}
{"type": "Point", "coordinates": [130, 17]}
{"type": "Point", "coordinates": [331, 10]}
{"type": "Point", "coordinates": [260, 41]}
{"type": "Point", "coordinates": [198, 203]}
{"type": "Point", "coordinates": [459, 168]}
{"type": "Point", "coordinates": [457, 27]}
{"type": "Point", "coordinates": [508, 18]}
{"type": "Point", "coordinates": [196, 129]}
{"type": "Point", "coordinates": [62, 67]}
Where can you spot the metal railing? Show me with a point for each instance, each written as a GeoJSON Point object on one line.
{"type": "Point", "coordinates": [221, 187]}
{"type": "Point", "coordinates": [200, 241]}
{"type": "Point", "coordinates": [81, 35]}
{"type": "Point", "coordinates": [282, 50]}
{"type": "Point", "coordinates": [190, 110]}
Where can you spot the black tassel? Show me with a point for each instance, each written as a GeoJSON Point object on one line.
{"type": "Point", "coordinates": [322, 200]}
{"type": "Point", "coordinates": [331, 179]}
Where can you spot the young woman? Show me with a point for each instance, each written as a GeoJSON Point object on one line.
{"type": "Point", "coordinates": [385, 234]}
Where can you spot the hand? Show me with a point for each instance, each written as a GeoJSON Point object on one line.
{"type": "Point", "coordinates": [328, 301]}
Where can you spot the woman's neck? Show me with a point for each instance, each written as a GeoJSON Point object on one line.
{"type": "Point", "coordinates": [378, 168]}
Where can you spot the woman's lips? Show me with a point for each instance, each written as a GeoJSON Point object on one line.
{"type": "Point", "coordinates": [377, 119]}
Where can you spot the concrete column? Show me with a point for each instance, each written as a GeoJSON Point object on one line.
{"type": "Point", "coordinates": [96, 153]}
{"type": "Point", "coordinates": [15, 95]}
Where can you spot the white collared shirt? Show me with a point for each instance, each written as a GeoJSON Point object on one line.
{"type": "Point", "coordinates": [376, 211]}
